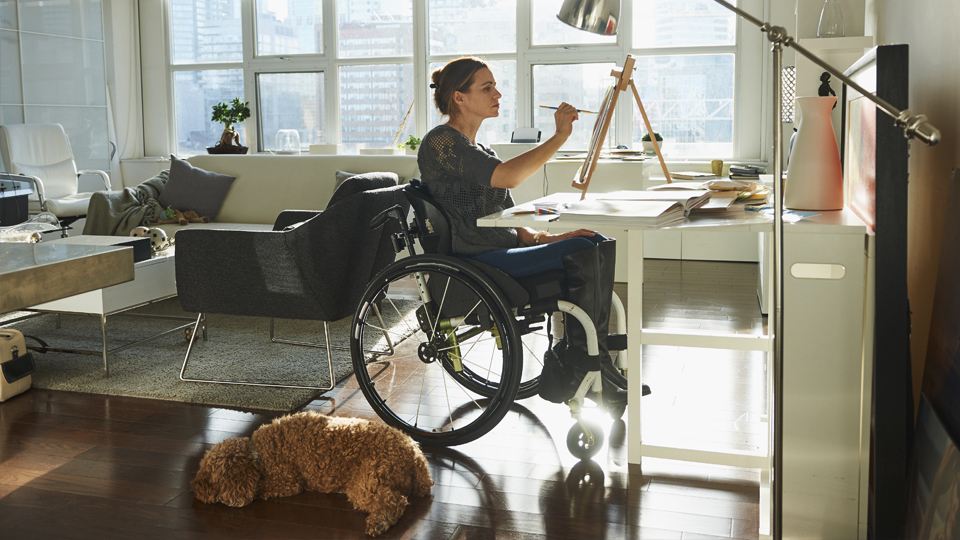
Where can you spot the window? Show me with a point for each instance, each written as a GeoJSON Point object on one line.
{"type": "Point", "coordinates": [689, 98]}
{"type": "Point", "coordinates": [195, 94]}
{"type": "Point", "coordinates": [368, 28]}
{"type": "Point", "coordinates": [354, 71]}
{"type": "Point", "coordinates": [465, 27]}
{"type": "Point", "coordinates": [548, 30]}
{"type": "Point", "coordinates": [52, 71]}
{"type": "Point", "coordinates": [291, 101]}
{"type": "Point", "coordinates": [206, 31]}
{"type": "Point", "coordinates": [374, 101]}
{"type": "Point", "coordinates": [581, 85]}
{"type": "Point", "coordinates": [285, 27]}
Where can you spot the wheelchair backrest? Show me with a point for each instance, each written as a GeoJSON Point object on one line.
{"type": "Point", "coordinates": [433, 227]}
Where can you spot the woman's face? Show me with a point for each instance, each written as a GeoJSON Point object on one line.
{"type": "Point", "coordinates": [482, 100]}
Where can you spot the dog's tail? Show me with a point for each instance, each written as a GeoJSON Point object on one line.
{"type": "Point", "coordinates": [422, 481]}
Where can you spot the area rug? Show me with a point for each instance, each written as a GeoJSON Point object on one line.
{"type": "Point", "coordinates": [237, 348]}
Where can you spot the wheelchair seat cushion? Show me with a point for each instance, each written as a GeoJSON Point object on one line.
{"type": "Point", "coordinates": [525, 290]}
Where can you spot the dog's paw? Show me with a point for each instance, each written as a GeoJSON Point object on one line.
{"type": "Point", "coordinates": [378, 524]}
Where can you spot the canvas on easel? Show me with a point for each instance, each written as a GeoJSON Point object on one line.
{"type": "Point", "coordinates": [602, 124]}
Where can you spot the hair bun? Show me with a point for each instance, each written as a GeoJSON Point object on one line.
{"type": "Point", "coordinates": [433, 85]}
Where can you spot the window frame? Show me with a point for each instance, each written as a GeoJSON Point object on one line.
{"type": "Point", "coordinates": [750, 97]}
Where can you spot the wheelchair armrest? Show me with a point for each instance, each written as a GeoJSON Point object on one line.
{"type": "Point", "coordinates": [103, 176]}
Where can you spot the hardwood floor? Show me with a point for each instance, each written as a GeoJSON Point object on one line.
{"type": "Point", "coordinates": [89, 466]}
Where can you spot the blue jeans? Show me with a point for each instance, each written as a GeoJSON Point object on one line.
{"type": "Point", "coordinates": [529, 260]}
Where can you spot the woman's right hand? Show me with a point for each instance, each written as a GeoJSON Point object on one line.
{"type": "Point", "coordinates": [564, 117]}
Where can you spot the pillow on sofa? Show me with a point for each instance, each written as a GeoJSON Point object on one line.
{"type": "Point", "coordinates": [190, 188]}
{"type": "Point", "coordinates": [361, 182]}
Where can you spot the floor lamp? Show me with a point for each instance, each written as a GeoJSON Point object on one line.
{"type": "Point", "coordinates": [913, 126]}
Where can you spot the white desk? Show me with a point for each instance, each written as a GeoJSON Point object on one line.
{"type": "Point", "coordinates": [825, 427]}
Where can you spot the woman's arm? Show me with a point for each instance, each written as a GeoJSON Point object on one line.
{"type": "Point", "coordinates": [528, 236]}
{"type": "Point", "coordinates": [515, 171]}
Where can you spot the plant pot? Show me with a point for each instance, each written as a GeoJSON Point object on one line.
{"type": "Point", "coordinates": [648, 146]}
{"type": "Point", "coordinates": [227, 149]}
{"type": "Point", "coordinates": [411, 152]}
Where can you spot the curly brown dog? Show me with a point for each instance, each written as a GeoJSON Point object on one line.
{"type": "Point", "coordinates": [377, 466]}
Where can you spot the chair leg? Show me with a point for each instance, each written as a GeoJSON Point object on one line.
{"type": "Point", "coordinates": [388, 352]}
{"type": "Point", "coordinates": [193, 339]}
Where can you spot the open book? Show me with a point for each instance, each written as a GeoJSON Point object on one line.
{"type": "Point", "coordinates": [650, 213]}
{"type": "Point", "coordinates": [690, 199]}
{"type": "Point", "coordinates": [655, 209]}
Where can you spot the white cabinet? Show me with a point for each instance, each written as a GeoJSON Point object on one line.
{"type": "Point", "coordinates": [827, 384]}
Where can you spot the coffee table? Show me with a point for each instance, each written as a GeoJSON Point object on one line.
{"type": "Point", "coordinates": [154, 280]}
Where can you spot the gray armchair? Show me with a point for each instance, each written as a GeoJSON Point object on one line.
{"type": "Point", "coordinates": [312, 265]}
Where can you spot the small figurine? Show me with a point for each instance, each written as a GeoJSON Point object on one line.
{"type": "Point", "coordinates": [825, 89]}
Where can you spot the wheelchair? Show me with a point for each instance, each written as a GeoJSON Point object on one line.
{"type": "Point", "coordinates": [480, 336]}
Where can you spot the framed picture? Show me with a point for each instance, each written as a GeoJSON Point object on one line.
{"type": "Point", "coordinates": [941, 370]}
{"type": "Point", "coordinates": [933, 507]}
{"type": "Point", "coordinates": [874, 153]}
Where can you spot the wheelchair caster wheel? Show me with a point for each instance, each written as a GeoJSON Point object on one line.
{"type": "Point", "coordinates": [617, 412]}
{"type": "Point", "coordinates": [578, 444]}
{"type": "Point", "coordinates": [188, 334]}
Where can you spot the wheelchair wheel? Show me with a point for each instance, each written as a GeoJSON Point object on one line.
{"type": "Point", "coordinates": [532, 346]}
{"type": "Point", "coordinates": [456, 369]}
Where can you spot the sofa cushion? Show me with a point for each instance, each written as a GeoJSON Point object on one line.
{"type": "Point", "coordinates": [191, 188]}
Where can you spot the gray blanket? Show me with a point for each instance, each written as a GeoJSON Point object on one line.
{"type": "Point", "coordinates": [116, 213]}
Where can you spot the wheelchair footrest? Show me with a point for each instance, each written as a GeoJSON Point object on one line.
{"type": "Point", "coordinates": [616, 342]}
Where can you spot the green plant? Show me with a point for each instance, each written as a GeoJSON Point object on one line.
{"type": "Point", "coordinates": [412, 143]}
{"type": "Point", "coordinates": [228, 115]}
{"type": "Point", "coordinates": [646, 137]}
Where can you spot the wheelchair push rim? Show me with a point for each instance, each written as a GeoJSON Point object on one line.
{"type": "Point", "coordinates": [457, 368]}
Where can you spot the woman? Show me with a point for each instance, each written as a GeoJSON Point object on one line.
{"type": "Point", "coordinates": [469, 181]}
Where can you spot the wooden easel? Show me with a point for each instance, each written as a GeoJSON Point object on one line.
{"type": "Point", "coordinates": [624, 80]}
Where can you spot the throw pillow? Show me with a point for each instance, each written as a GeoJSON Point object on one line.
{"type": "Point", "coordinates": [362, 182]}
{"type": "Point", "coordinates": [190, 188]}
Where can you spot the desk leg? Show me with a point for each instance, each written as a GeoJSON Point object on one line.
{"type": "Point", "coordinates": [634, 330]}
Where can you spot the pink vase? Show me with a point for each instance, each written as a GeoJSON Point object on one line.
{"type": "Point", "coordinates": [814, 179]}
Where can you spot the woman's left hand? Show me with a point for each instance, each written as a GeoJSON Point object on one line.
{"type": "Point", "coordinates": [548, 238]}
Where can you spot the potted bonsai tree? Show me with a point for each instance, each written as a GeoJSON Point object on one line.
{"type": "Point", "coordinates": [647, 145]}
{"type": "Point", "coordinates": [228, 115]}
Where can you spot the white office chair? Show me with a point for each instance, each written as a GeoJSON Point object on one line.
{"type": "Point", "coordinates": [42, 153]}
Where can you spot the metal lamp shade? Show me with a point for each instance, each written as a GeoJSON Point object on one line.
{"type": "Point", "coordinates": [597, 16]}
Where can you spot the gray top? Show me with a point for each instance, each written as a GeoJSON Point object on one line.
{"type": "Point", "coordinates": [458, 175]}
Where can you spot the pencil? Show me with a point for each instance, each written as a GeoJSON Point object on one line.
{"type": "Point", "coordinates": [578, 110]}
